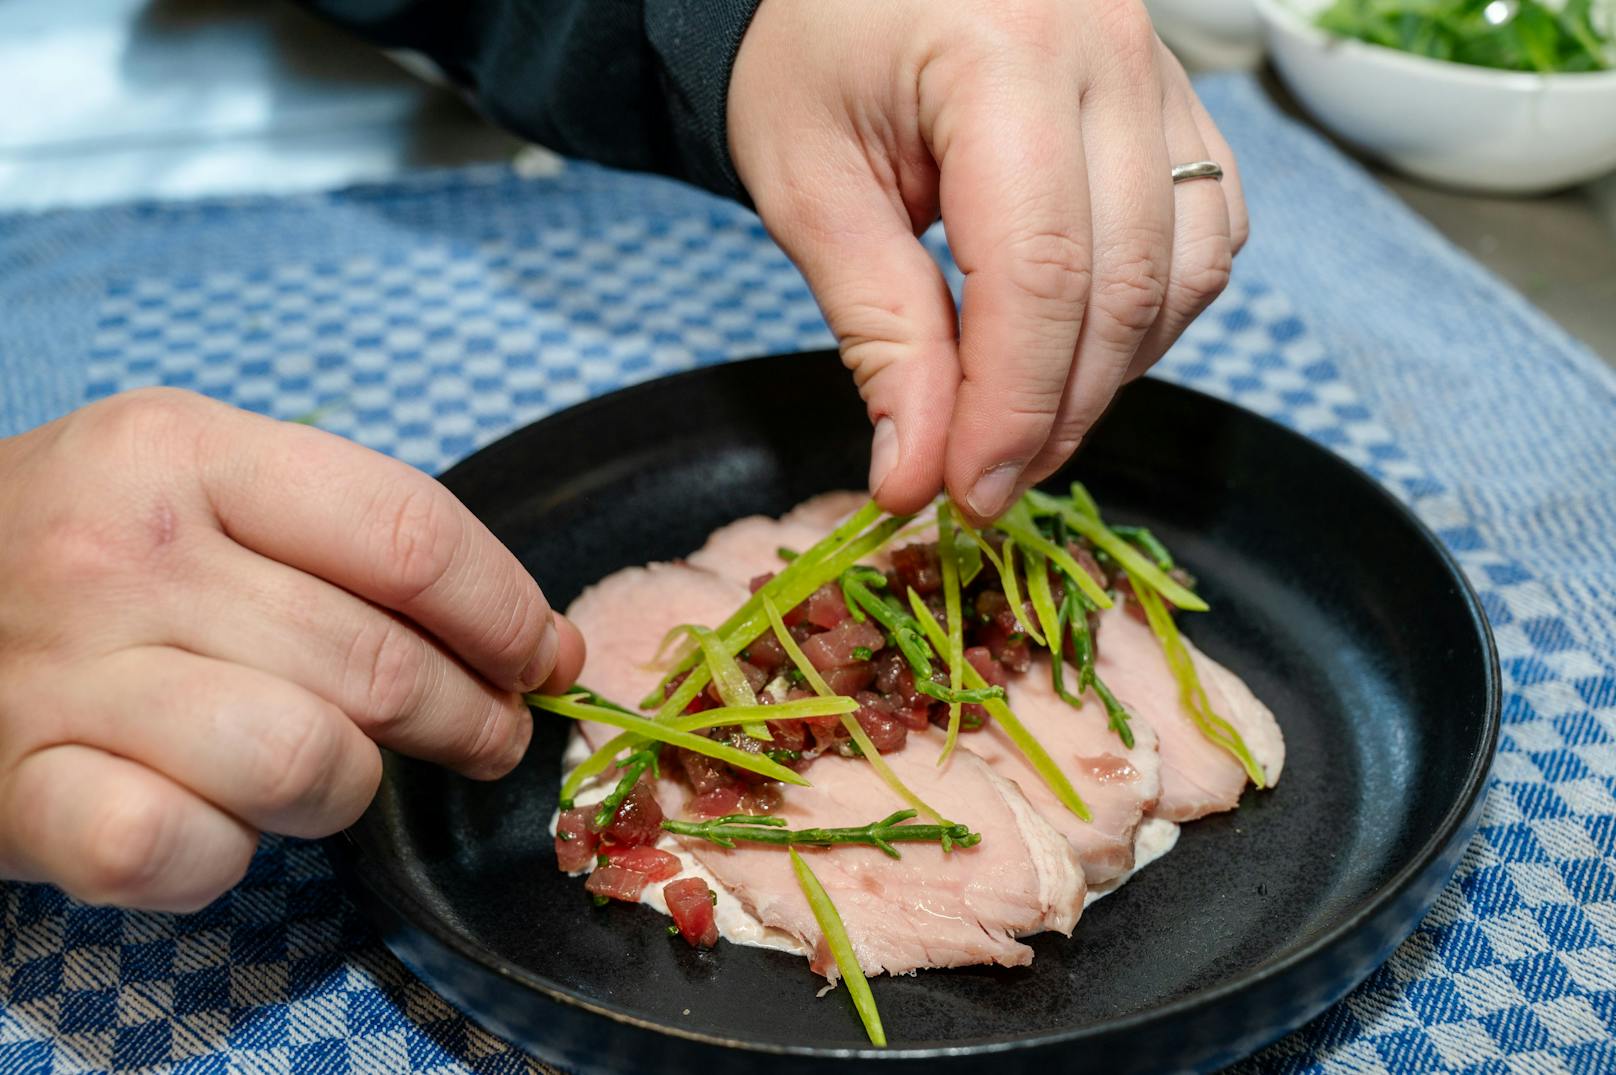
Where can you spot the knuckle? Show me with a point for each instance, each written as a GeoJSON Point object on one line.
{"type": "Point", "coordinates": [121, 519]}
{"type": "Point", "coordinates": [386, 660]}
{"type": "Point", "coordinates": [129, 847]}
{"type": "Point", "coordinates": [1017, 26]}
{"type": "Point", "coordinates": [1129, 37]}
{"type": "Point", "coordinates": [1062, 444]}
{"type": "Point", "coordinates": [292, 761]}
{"type": "Point", "coordinates": [513, 636]}
{"type": "Point", "coordinates": [1022, 421]}
{"type": "Point", "coordinates": [1022, 405]}
{"type": "Point", "coordinates": [1133, 289]}
{"type": "Point", "coordinates": [492, 748]}
{"type": "Point", "coordinates": [1203, 273]}
{"type": "Point", "coordinates": [419, 535]}
{"type": "Point", "coordinates": [224, 873]}
{"type": "Point", "coordinates": [1239, 227]}
{"type": "Point", "coordinates": [1239, 233]}
{"type": "Point", "coordinates": [1050, 267]}
{"type": "Point", "coordinates": [144, 420]}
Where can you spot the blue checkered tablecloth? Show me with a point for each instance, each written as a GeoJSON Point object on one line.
{"type": "Point", "coordinates": [438, 313]}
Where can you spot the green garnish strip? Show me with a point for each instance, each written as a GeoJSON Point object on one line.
{"type": "Point", "coordinates": [1116, 713]}
{"type": "Point", "coordinates": [861, 600]}
{"type": "Point", "coordinates": [1018, 523]}
{"type": "Point", "coordinates": [955, 654]}
{"type": "Point", "coordinates": [969, 554]}
{"type": "Point", "coordinates": [1023, 740]}
{"type": "Point", "coordinates": [1083, 501]}
{"type": "Point", "coordinates": [1005, 565]}
{"type": "Point", "coordinates": [841, 949]}
{"type": "Point", "coordinates": [634, 767]}
{"type": "Point", "coordinates": [1102, 537]}
{"type": "Point", "coordinates": [602, 759]}
{"type": "Point", "coordinates": [732, 685]}
{"type": "Point", "coordinates": [666, 733]}
{"type": "Point", "coordinates": [906, 635]}
{"type": "Point", "coordinates": [1074, 615]}
{"type": "Point", "coordinates": [1190, 691]}
{"type": "Point", "coordinates": [1043, 602]}
{"type": "Point", "coordinates": [854, 728]}
{"type": "Point", "coordinates": [804, 563]}
{"type": "Point", "coordinates": [1147, 541]}
{"type": "Point", "coordinates": [755, 622]}
{"type": "Point", "coordinates": [1012, 593]}
{"type": "Point", "coordinates": [766, 829]}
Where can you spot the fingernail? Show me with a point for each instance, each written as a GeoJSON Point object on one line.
{"type": "Point", "coordinates": [992, 491]}
{"type": "Point", "coordinates": [544, 658]}
{"type": "Point", "coordinates": [883, 453]}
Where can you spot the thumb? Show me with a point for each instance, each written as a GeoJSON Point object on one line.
{"type": "Point", "coordinates": [890, 308]}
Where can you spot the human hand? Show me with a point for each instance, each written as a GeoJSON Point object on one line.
{"type": "Point", "coordinates": [1045, 132]}
{"type": "Point", "coordinates": [211, 618]}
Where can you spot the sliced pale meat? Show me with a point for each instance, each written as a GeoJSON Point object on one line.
{"type": "Point", "coordinates": [930, 908]}
{"type": "Point", "coordinates": [749, 547]}
{"type": "Point", "coordinates": [746, 548]}
{"type": "Point", "coordinates": [1117, 783]}
{"type": "Point", "coordinates": [1198, 777]}
{"type": "Point", "coordinates": [624, 617]}
{"type": "Point", "coordinates": [826, 511]}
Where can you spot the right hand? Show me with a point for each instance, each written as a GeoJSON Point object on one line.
{"type": "Point", "coordinates": [211, 618]}
{"type": "Point", "coordinates": [1044, 132]}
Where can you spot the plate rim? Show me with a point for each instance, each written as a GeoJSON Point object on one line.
{"type": "Point", "coordinates": [1376, 903]}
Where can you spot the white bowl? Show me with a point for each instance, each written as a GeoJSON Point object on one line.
{"type": "Point", "coordinates": [1454, 124]}
{"type": "Point", "coordinates": [1209, 33]}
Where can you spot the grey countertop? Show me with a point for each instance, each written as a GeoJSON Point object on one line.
{"type": "Point", "coordinates": [110, 100]}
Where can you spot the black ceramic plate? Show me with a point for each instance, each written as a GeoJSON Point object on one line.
{"type": "Point", "coordinates": [1334, 603]}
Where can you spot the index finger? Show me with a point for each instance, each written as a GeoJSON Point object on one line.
{"type": "Point", "coordinates": [382, 530]}
{"type": "Point", "coordinates": [1016, 203]}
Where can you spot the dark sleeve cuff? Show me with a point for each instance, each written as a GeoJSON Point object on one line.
{"type": "Point", "coordinates": [695, 43]}
{"type": "Point", "coordinates": [629, 83]}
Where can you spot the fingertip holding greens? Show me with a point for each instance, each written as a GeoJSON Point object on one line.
{"type": "Point", "coordinates": [841, 949]}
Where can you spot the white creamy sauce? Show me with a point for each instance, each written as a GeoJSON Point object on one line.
{"type": "Point", "coordinates": [1154, 838]}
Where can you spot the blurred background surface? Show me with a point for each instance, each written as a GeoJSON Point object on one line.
{"type": "Point", "coordinates": [113, 100]}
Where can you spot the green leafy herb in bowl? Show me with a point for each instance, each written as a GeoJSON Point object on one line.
{"type": "Point", "coordinates": [1449, 101]}
{"type": "Point", "coordinates": [1511, 35]}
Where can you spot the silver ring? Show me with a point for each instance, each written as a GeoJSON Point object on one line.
{"type": "Point", "coordinates": [1197, 170]}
